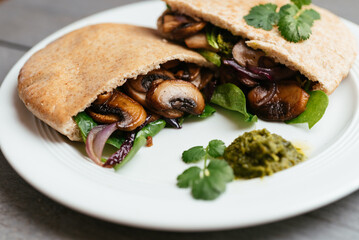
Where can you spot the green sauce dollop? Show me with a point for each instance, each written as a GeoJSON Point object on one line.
{"type": "Point", "coordinates": [260, 153]}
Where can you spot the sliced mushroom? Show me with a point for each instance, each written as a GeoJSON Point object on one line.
{"type": "Point", "coordinates": [173, 97]}
{"type": "Point", "coordinates": [178, 27]}
{"type": "Point", "coordinates": [245, 55]}
{"type": "Point", "coordinates": [188, 72]}
{"type": "Point", "coordinates": [187, 30]}
{"type": "Point", "coordinates": [143, 82]}
{"type": "Point", "coordinates": [288, 102]}
{"type": "Point", "coordinates": [171, 64]}
{"type": "Point", "coordinates": [139, 97]}
{"type": "Point", "coordinates": [198, 41]}
{"type": "Point", "coordinates": [120, 108]}
{"type": "Point", "coordinates": [206, 77]}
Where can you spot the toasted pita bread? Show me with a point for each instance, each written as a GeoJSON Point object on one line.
{"type": "Point", "coordinates": [325, 58]}
{"type": "Point", "coordinates": [65, 77]}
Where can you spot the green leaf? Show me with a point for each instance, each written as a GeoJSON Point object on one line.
{"type": "Point", "coordinates": [288, 9]}
{"type": "Point", "coordinates": [317, 104]}
{"type": "Point", "coordinates": [213, 182]}
{"type": "Point", "coordinates": [85, 124]}
{"type": "Point", "coordinates": [208, 111]}
{"type": "Point", "coordinates": [309, 16]}
{"type": "Point", "coordinates": [216, 148]}
{"type": "Point", "coordinates": [150, 129]}
{"type": "Point", "coordinates": [231, 97]}
{"type": "Point", "coordinates": [194, 154]}
{"type": "Point", "coordinates": [263, 16]}
{"type": "Point", "coordinates": [211, 57]}
{"type": "Point", "coordinates": [296, 28]}
{"type": "Point", "coordinates": [168, 7]}
{"type": "Point", "coordinates": [221, 169]}
{"type": "Point", "coordinates": [300, 3]}
{"type": "Point", "coordinates": [188, 177]}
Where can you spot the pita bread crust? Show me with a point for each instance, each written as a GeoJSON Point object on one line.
{"type": "Point", "coordinates": [66, 76]}
{"type": "Point", "coordinates": [325, 58]}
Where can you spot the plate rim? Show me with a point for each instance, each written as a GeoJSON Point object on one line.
{"type": "Point", "coordinates": [340, 194]}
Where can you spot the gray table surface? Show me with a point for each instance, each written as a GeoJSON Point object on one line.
{"type": "Point", "coordinates": [27, 214]}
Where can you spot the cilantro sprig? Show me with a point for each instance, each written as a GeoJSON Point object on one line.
{"type": "Point", "coordinates": [294, 23]}
{"type": "Point", "coordinates": [207, 183]}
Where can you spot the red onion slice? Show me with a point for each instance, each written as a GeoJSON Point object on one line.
{"type": "Point", "coordinates": [259, 75]}
{"type": "Point", "coordinates": [96, 141]}
{"type": "Point", "coordinates": [275, 73]}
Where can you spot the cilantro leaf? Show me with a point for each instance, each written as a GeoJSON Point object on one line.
{"type": "Point", "coordinates": [263, 16]}
{"type": "Point", "coordinates": [294, 29]}
{"type": "Point", "coordinates": [213, 182]}
{"type": "Point", "coordinates": [216, 148]}
{"type": "Point", "coordinates": [316, 106]}
{"type": "Point", "coordinates": [193, 155]}
{"type": "Point", "coordinates": [309, 16]}
{"type": "Point", "coordinates": [288, 9]}
{"type": "Point", "coordinates": [188, 177]}
{"type": "Point", "coordinates": [300, 3]}
{"type": "Point", "coordinates": [221, 169]}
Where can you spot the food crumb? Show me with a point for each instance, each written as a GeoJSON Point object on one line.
{"type": "Point", "coordinates": [149, 141]}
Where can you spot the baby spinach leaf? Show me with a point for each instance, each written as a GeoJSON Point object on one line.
{"type": "Point", "coordinates": [231, 97]}
{"type": "Point", "coordinates": [208, 111]}
{"type": "Point", "coordinates": [317, 104]}
{"type": "Point", "coordinates": [86, 124]}
{"type": "Point", "coordinates": [150, 130]}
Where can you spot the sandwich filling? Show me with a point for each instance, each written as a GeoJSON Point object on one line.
{"type": "Point", "coordinates": [274, 92]}
{"type": "Point", "coordinates": [133, 113]}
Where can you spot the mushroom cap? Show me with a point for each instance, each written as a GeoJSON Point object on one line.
{"type": "Point", "coordinates": [175, 95]}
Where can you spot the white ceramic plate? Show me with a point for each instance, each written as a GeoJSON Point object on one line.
{"type": "Point", "coordinates": [144, 192]}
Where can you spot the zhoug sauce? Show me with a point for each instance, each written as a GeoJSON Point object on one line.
{"type": "Point", "coordinates": [260, 153]}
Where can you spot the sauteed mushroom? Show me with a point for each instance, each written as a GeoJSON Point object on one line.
{"type": "Point", "coordinates": [245, 55]}
{"type": "Point", "coordinates": [175, 97]}
{"type": "Point", "coordinates": [199, 41]}
{"type": "Point", "coordinates": [179, 26]}
{"type": "Point", "coordinates": [142, 83]}
{"type": "Point", "coordinates": [118, 107]}
{"type": "Point", "coordinates": [288, 102]}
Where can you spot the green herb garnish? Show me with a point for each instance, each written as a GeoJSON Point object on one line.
{"type": "Point", "coordinates": [316, 106]}
{"type": "Point", "coordinates": [231, 97]}
{"type": "Point", "coordinates": [294, 23]}
{"type": "Point", "coordinates": [207, 183]}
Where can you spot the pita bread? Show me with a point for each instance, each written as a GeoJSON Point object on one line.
{"type": "Point", "coordinates": [66, 76]}
{"type": "Point", "coordinates": [325, 58]}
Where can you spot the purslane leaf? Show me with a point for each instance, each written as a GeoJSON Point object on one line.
{"type": "Point", "coordinates": [263, 16]}
{"type": "Point", "coordinates": [193, 155]}
{"type": "Point", "coordinates": [216, 148]}
{"type": "Point", "coordinates": [188, 177]}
